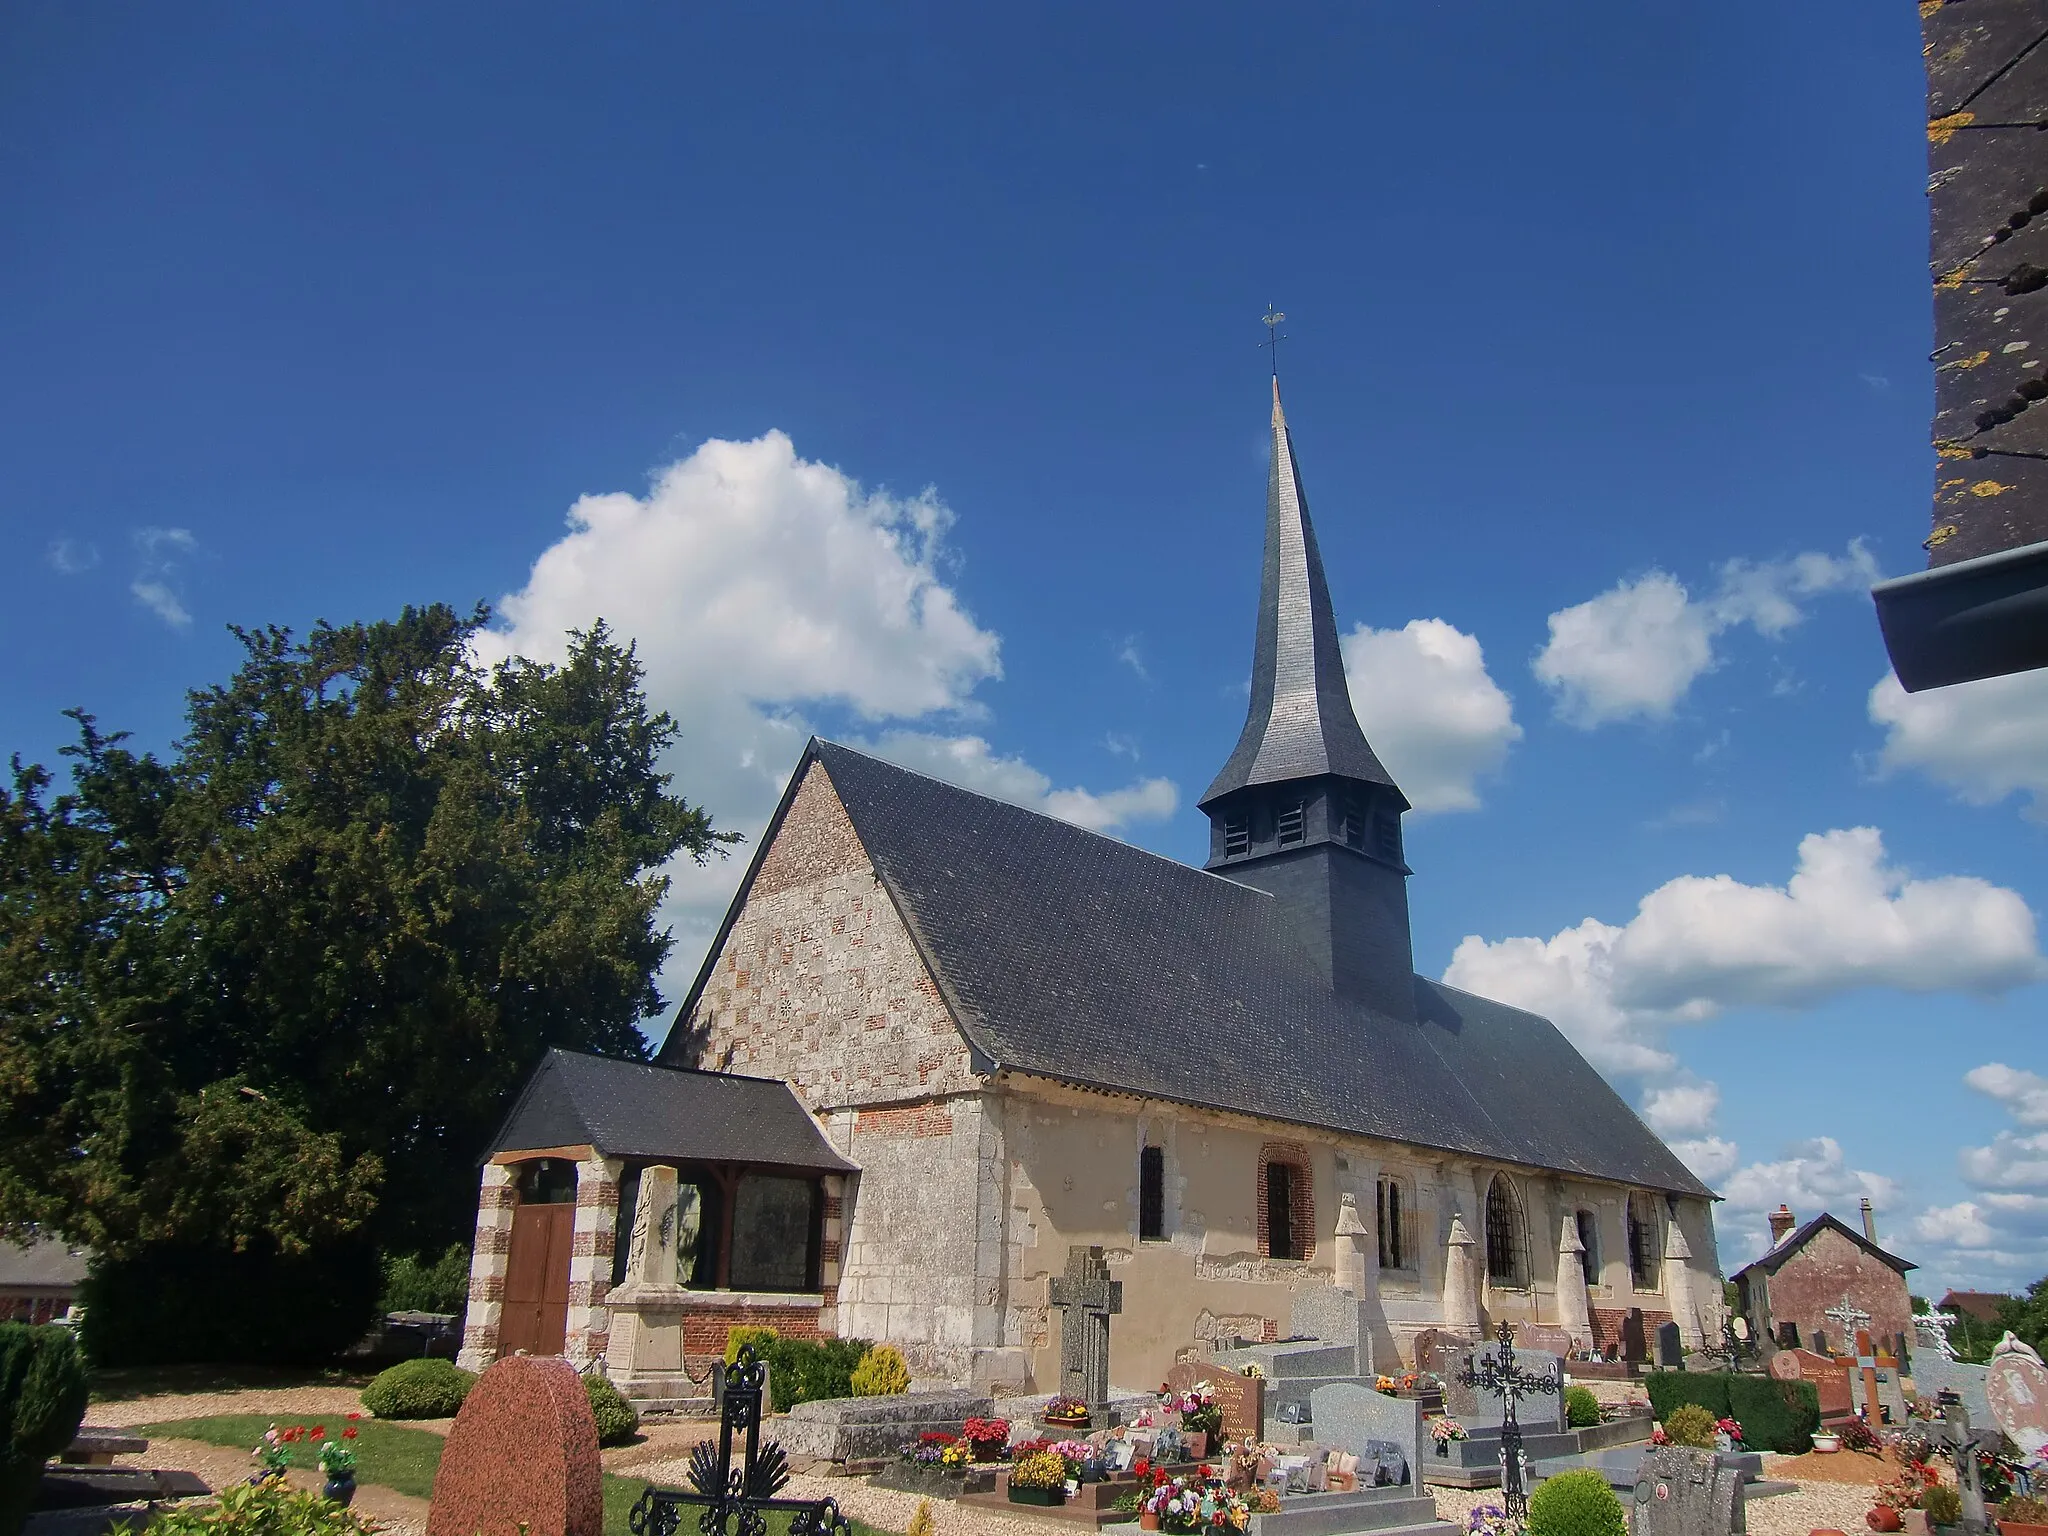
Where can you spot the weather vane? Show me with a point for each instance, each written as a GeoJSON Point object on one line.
{"type": "Point", "coordinates": [1274, 336]}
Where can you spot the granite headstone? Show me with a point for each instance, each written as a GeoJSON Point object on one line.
{"type": "Point", "coordinates": [1360, 1420]}
{"type": "Point", "coordinates": [2016, 1386]}
{"type": "Point", "coordinates": [521, 1456]}
{"type": "Point", "coordinates": [1670, 1347]}
{"type": "Point", "coordinates": [1682, 1492]}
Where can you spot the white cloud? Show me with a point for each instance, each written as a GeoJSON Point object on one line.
{"type": "Point", "coordinates": [1637, 648]}
{"type": "Point", "coordinates": [1698, 945]}
{"type": "Point", "coordinates": [1681, 1108]}
{"type": "Point", "coordinates": [1813, 1176]}
{"type": "Point", "coordinates": [971, 763]}
{"type": "Point", "coordinates": [2024, 1094]}
{"type": "Point", "coordinates": [1984, 740]}
{"type": "Point", "coordinates": [760, 587]}
{"type": "Point", "coordinates": [1128, 653]}
{"type": "Point", "coordinates": [67, 557]}
{"type": "Point", "coordinates": [1435, 717]}
{"type": "Point", "coordinates": [159, 554]}
{"type": "Point", "coordinates": [1711, 1158]}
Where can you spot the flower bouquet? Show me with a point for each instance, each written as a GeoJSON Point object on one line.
{"type": "Point", "coordinates": [1200, 1413]}
{"type": "Point", "coordinates": [1444, 1429]}
{"type": "Point", "coordinates": [986, 1438]}
{"type": "Point", "coordinates": [1065, 1410]}
{"type": "Point", "coordinates": [1491, 1520]}
{"type": "Point", "coordinates": [275, 1452]}
{"type": "Point", "coordinates": [1199, 1503]}
{"type": "Point", "coordinates": [338, 1461]}
{"type": "Point", "coordinates": [1729, 1430]}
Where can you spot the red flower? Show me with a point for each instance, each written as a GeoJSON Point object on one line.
{"type": "Point", "coordinates": [319, 1432]}
{"type": "Point", "coordinates": [349, 1433]}
{"type": "Point", "coordinates": [354, 1416]}
{"type": "Point", "coordinates": [1141, 1466]}
{"type": "Point", "coordinates": [1203, 1470]}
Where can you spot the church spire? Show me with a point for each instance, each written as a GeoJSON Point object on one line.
{"type": "Point", "coordinates": [1300, 723]}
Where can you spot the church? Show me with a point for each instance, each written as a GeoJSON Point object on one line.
{"type": "Point", "coordinates": [941, 1040]}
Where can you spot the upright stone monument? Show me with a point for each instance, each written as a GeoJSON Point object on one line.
{"type": "Point", "coordinates": [1574, 1306]}
{"type": "Point", "coordinates": [1461, 1281]}
{"type": "Point", "coordinates": [645, 1356]}
{"type": "Point", "coordinates": [521, 1459]}
{"type": "Point", "coordinates": [1086, 1299]}
{"type": "Point", "coordinates": [1681, 1492]}
{"type": "Point", "coordinates": [2016, 1385]}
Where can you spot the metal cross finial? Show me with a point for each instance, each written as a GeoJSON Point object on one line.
{"type": "Point", "coordinates": [1274, 336]}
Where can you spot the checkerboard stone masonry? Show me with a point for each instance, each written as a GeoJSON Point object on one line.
{"type": "Point", "coordinates": [590, 1258]}
{"type": "Point", "coordinates": [819, 983]}
{"type": "Point", "coordinates": [487, 1267]}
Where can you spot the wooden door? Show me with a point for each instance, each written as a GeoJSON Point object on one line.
{"type": "Point", "coordinates": [536, 1317]}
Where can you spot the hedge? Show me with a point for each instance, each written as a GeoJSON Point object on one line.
{"type": "Point", "coordinates": [801, 1370]}
{"type": "Point", "coordinates": [1774, 1415]}
{"type": "Point", "coordinates": [419, 1389]}
{"type": "Point", "coordinates": [178, 1303]}
{"type": "Point", "coordinates": [1576, 1504]}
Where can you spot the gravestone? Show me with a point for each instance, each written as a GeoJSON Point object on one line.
{"type": "Point", "coordinates": [1540, 1413]}
{"type": "Point", "coordinates": [860, 1428]}
{"type": "Point", "coordinates": [1788, 1335]}
{"type": "Point", "coordinates": [521, 1457]}
{"type": "Point", "coordinates": [1355, 1419]}
{"type": "Point", "coordinates": [1086, 1299]}
{"type": "Point", "coordinates": [1828, 1376]}
{"type": "Point", "coordinates": [1548, 1337]}
{"type": "Point", "coordinates": [1936, 1369]}
{"type": "Point", "coordinates": [1441, 1352]}
{"type": "Point", "coordinates": [1670, 1347]}
{"type": "Point", "coordinates": [2016, 1386]}
{"type": "Point", "coordinates": [1635, 1347]}
{"type": "Point", "coordinates": [1682, 1492]}
{"type": "Point", "coordinates": [1242, 1398]}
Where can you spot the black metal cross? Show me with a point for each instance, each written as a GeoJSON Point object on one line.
{"type": "Point", "coordinates": [1274, 336]}
{"type": "Point", "coordinates": [1497, 1373]}
{"type": "Point", "coordinates": [734, 1500]}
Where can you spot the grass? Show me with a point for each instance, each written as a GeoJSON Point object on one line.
{"type": "Point", "coordinates": [405, 1460]}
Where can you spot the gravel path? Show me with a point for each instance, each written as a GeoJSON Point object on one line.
{"type": "Point", "coordinates": [285, 1404]}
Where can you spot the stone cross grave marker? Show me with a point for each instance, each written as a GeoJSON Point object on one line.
{"type": "Point", "coordinates": [1086, 1299]}
{"type": "Point", "coordinates": [2016, 1387]}
{"type": "Point", "coordinates": [1682, 1492]}
{"type": "Point", "coordinates": [1954, 1433]}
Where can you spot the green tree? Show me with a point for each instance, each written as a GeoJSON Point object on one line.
{"type": "Point", "coordinates": [276, 988]}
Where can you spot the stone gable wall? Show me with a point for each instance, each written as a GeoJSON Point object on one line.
{"type": "Point", "coordinates": [1825, 1270]}
{"type": "Point", "coordinates": [819, 982]}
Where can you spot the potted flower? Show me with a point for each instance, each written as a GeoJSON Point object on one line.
{"type": "Point", "coordinates": [1201, 1417]}
{"type": "Point", "coordinates": [1443, 1429]}
{"type": "Point", "coordinates": [1490, 1520]}
{"type": "Point", "coordinates": [986, 1438]}
{"type": "Point", "coordinates": [275, 1453]}
{"type": "Point", "coordinates": [1387, 1385]}
{"type": "Point", "coordinates": [1079, 1457]}
{"type": "Point", "coordinates": [2024, 1514]}
{"type": "Point", "coordinates": [1065, 1410]}
{"type": "Point", "coordinates": [1826, 1442]}
{"type": "Point", "coordinates": [1040, 1478]}
{"type": "Point", "coordinates": [338, 1461]}
{"type": "Point", "coordinates": [1188, 1504]}
{"type": "Point", "coordinates": [1727, 1435]}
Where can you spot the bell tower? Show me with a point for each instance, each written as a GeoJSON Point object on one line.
{"type": "Point", "coordinates": [1303, 809]}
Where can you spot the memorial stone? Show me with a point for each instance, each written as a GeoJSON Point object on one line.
{"type": "Point", "coordinates": [1241, 1398]}
{"type": "Point", "coordinates": [1681, 1492]}
{"type": "Point", "coordinates": [1936, 1369]}
{"type": "Point", "coordinates": [1635, 1345]}
{"type": "Point", "coordinates": [1547, 1337]}
{"type": "Point", "coordinates": [521, 1456]}
{"type": "Point", "coordinates": [1670, 1348]}
{"type": "Point", "coordinates": [1359, 1420]}
{"type": "Point", "coordinates": [1830, 1379]}
{"type": "Point", "coordinates": [2016, 1386]}
{"type": "Point", "coordinates": [1086, 1299]}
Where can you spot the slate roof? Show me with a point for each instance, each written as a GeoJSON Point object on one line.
{"type": "Point", "coordinates": [1795, 1240]}
{"type": "Point", "coordinates": [40, 1264]}
{"type": "Point", "coordinates": [641, 1109]}
{"type": "Point", "coordinates": [1981, 1305]}
{"type": "Point", "coordinates": [1073, 956]}
{"type": "Point", "coordinates": [1300, 723]}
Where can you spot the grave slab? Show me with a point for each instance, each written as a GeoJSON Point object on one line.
{"type": "Point", "coordinates": [860, 1428]}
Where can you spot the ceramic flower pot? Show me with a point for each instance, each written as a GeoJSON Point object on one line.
{"type": "Point", "coordinates": [2021, 1528]}
{"type": "Point", "coordinates": [341, 1488]}
{"type": "Point", "coordinates": [1884, 1518]}
{"type": "Point", "coordinates": [1827, 1445]}
{"type": "Point", "coordinates": [1147, 1521]}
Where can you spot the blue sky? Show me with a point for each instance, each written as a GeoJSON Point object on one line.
{"type": "Point", "coordinates": [909, 362]}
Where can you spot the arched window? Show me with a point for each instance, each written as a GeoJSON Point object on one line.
{"type": "Point", "coordinates": [1507, 1248]}
{"type": "Point", "coordinates": [1589, 1243]}
{"type": "Point", "coordinates": [1396, 1212]}
{"type": "Point", "coordinates": [1645, 1242]}
{"type": "Point", "coordinates": [1287, 1203]}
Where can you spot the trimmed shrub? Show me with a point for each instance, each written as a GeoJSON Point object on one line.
{"type": "Point", "coordinates": [760, 1338]}
{"type": "Point", "coordinates": [1671, 1390]}
{"type": "Point", "coordinates": [270, 1508]}
{"type": "Point", "coordinates": [419, 1389]}
{"type": "Point", "coordinates": [805, 1370]}
{"type": "Point", "coordinates": [1576, 1504]}
{"type": "Point", "coordinates": [1774, 1415]}
{"type": "Point", "coordinates": [1692, 1425]}
{"type": "Point", "coordinates": [881, 1373]}
{"type": "Point", "coordinates": [617, 1420]}
{"type": "Point", "coordinates": [174, 1303]}
{"type": "Point", "coordinates": [419, 1284]}
{"type": "Point", "coordinates": [1581, 1407]}
{"type": "Point", "coordinates": [1943, 1505]}
{"type": "Point", "coordinates": [42, 1403]}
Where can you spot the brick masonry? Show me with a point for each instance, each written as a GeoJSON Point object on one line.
{"type": "Point", "coordinates": [1301, 1201]}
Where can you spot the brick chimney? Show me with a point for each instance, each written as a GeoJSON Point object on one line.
{"type": "Point", "coordinates": [1781, 1224]}
{"type": "Point", "coordinates": [1869, 1220]}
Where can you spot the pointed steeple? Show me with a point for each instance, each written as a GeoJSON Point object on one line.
{"type": "Point", "coordinates": [1300, 723]}
{"type": "Point", "coordinates": [1303, 809]}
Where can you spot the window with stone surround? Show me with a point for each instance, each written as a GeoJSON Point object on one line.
{"type": "Point", "coordinates": [1507, 1241]}
{"type": "Point", "coordinates": [1645, 1242]}
{"type": "Point", "coordinates": [1286, 1202]}
{"type": "Point", "coordinates": [1588, 1225]}
{"type": "Point", "coordinates": [1395, 1221]}
{"type": "Point", "coordinates": [774, 1225]}
{"type": "Point", "coordinates": [1152, 1195]}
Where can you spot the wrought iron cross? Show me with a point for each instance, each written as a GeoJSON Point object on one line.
{"type": "Point", "coordinates": [1497, 1373]}
{"type": "Point", "coordinates": [734, 1500]}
